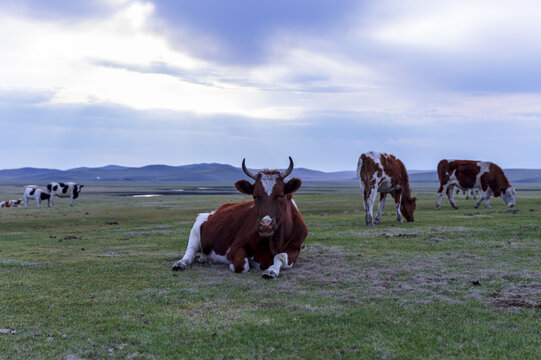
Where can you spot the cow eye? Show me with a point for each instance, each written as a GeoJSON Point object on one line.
{"type": "Point", "coordinates": [257, 197]}
{"type": "Point", "coordinates": [279, 196]}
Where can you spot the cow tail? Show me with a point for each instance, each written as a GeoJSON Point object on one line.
{"type": "Point", "coordinates": [443, 176]}
{"type": "Point", "coordinates": [360, 165]}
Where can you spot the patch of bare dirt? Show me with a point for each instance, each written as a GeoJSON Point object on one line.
{"type": "Point", "coordinates": [348, 277]}
{"type": "Point", "coordinates": [529, 227]}
{"type": "Point", "coordinates": [388, 235]}
{"type": "Point", "coordinates": [516, 302]}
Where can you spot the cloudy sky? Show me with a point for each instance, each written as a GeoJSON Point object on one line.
{"type": "Point", "coordinates": [98, 82]}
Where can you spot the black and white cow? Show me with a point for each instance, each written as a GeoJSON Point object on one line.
{"type": "Point", "coordinates": [64, 190]}
{"type": "Point", "coordinates": [32, 192]}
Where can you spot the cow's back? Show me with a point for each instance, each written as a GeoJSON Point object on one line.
{"type": "Point", "coordinates": [394, 168]}
{"type": "Point", "coordinates": [225, 224]}
{"type": "Point", "coordinates": [374, 165]}
{"type": "Point", "coordinates": [464, 173]}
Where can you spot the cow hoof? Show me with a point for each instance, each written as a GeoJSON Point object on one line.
{"type": "Point", "coordinates": [376, 221]}
{"type": "Point", "coordinates": [179, 265]}
{"type": "Point", "coordinates": [370, 225]}
{"type": "Point", "coordinates": [269, 274]}
{"type": "Point", "coordinates": [200, 258]}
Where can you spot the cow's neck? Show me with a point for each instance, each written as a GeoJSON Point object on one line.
{"type": "Point", "coordinates": [406, 192]}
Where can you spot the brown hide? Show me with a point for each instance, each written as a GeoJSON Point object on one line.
{"type": "Point", "coordinates": [240, 227]}
{"type": "Point", "coordinates": [466, 172]}
{"type": "Point", "coordinates": [495, 179]}
{"type": "Point", "coordinates": [396, 171]}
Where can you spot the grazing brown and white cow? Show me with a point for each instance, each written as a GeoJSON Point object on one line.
{"type": "Point", "coordinates": [383, 173]}
{"type": "Point", "coordinates": [64, 190]}
{"type": "Point", "coordinates": [266, 232]}
{"type": "Point", "coordinates": [11, 203]}
{"type": "Point", "coordinates": [469, 174]}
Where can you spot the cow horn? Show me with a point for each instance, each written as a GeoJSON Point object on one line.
{"type": "Point", "coordinates": [289, 169]}
{"type": "Point", "coordinates": [248, 172]}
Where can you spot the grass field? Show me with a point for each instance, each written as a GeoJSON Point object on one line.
{"type": "Point", "coordinates": [95, 281]}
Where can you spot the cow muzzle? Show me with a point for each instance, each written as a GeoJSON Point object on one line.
{"type": "Point", "coordinates": [265, 227]}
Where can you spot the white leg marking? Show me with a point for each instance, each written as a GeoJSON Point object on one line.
{"type": "Point", "coordinates": [280, 261]}
{"type": "Point", "coordinates": [380, 208]}
{"type": "Point", "coordinates": [370, 203]}
{"type": "Point", "coordinates": [451, 195]}
{"type": "Point", "coordinates": [398, 215]}
{"type": "Point", "coordinates": [194, 243]}
{"type": "Point", "coordinates": [489, 194]}
{"type": "Point", "coordinates": [484, 196]}
{"type": "Point", "coordinates": [440, 195]}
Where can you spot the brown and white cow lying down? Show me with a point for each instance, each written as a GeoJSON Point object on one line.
{"type": "Point", "coordinates": [265, 233]}
{"type": "Point", "coordinates": [11, 203]}
{"type": "Point", "coordinates": [469, 174]}
{"type": "Point", "coordinates": [379, 172]}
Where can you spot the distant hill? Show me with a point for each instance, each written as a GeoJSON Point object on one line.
{"type": "Point", "coordinates": [209, 173]}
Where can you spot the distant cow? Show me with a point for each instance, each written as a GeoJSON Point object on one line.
{"type": "Point", "coordinates": [32, 192]}
{"type": "Point", "coordinates": [379, 172]}
{"type": "Point", "coordinates": [469, 174]}
{"type": "Point", "coordinates": [11, 203]}
{"type": "Point", "coordinates": [64, 190]}
{"type": "Point", "coordinates": [265, 233]}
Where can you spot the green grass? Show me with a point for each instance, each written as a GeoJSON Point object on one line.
{"type": "Point", "coordinates": [94, 281]}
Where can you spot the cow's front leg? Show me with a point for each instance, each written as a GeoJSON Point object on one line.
{"type": "Point", "coordinates": [484, 196]}
{"type": "Point", "coordinates": [397, 200]}
{"type": "Point", "coordinates": [381, 205]}
{"type": "Point", "coordinates": [71, 200]}
{"type": "Point", "coordinates": [239, 260]}
{"type": "Point", "coordinates": [280, 262]}
{"type": "Point", "coordinates": [441, 191]}
{"type": "Point", "coordinates": [451, 196]}
{"type": "Point", "coordinates": [370, 200]}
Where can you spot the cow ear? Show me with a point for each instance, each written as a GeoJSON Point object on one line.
{"type": "Point", "coordinates": [292, 185]}
{"type": "Point", "coordinates": [81, 185]}
{"type": "Point", "coordinates": [244, 187]}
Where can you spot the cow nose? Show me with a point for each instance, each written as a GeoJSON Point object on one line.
{"type": "Point", "coordinates": [512, 205]}
{"type": "Point", "coordinates": [266, 221]}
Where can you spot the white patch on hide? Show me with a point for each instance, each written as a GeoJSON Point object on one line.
{"type": "Point", "coordinates": [268, 181]}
